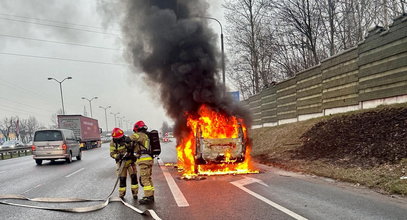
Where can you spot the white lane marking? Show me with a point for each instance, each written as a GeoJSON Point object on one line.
{"type": "Point", "coordinates": [154, 214]}
{"type": "Point", "coordinates": [176, 192]}
{"type": "Point", "coordinates": [32, 188]}
{"type": "Point", "coordinates": [241, 183]}
{"type": "Point", "coordinates": [2, 172]}
{"type": "Point", "coordinates": [75, 172]}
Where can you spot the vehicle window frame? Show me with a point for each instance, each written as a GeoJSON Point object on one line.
{"type": "Point", "coordinates": [43, 131]}
{"type": "Point", "coordinates": [66, 136]}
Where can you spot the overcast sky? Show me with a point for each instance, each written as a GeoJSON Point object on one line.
{"type": "Point", "coordinates": [26, 29]}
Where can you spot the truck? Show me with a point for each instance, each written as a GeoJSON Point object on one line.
{"type": "Point", "coordinates": [85, 128]}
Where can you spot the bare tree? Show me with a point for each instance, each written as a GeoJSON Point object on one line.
{"type": "Point", "coordinates": [242, 77]}
{"type": "Point", "coordinates": [23, 129]}
{"type": "Point", "coordinates": [328, 12]}
{"type": "Point", "coordinates": [54, 120]}
{"type": "Point", "coordinates": [8, 126]}
{"type": "Point", "coordinates": [31, 125]}
{"type": "Point", "coordinates": [275, 39]}
{"type": "Point", "coordinates": [249, 40]}
{"type": "Point", "coordinates": [303, 17]}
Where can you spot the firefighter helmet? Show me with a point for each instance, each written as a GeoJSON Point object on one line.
{"type": "Point", "coordinates": [139, 125]}
{"type": "Point", "coordinates": [117, 133]}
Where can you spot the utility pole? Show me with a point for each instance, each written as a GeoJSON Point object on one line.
{"type": "Point", "coordinates": [115, 120]}
{"type": "Point", "coordinates": [90, 104]}
{"type": "Point", "coordinates": [60, 89]}
{"type": "Point", "coordinates": [105, 108]}
{"type": "Point", "coordinates": [222, 47]}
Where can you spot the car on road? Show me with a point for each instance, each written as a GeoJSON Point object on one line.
{"type": "Point", "coordinates": [220, 150]}
{"type": "Point", "coordinates": [106, 139]}
{"type": "Point", "coordinates": [11, 145]}
{"type": "Point", "coordinates": [55, 144]}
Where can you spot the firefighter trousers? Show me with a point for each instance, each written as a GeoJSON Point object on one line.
{"type": "Point", "coordinates": [146, 166]}
{"type": "Point", "coordinates": [129, 167]}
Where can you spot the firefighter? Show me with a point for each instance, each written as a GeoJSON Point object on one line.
{"type": "Point", "coordinates": [144, 160]}
{"type": "Point", "coordinates": [122, 150]}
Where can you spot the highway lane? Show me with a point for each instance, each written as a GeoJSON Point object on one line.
{"type": "Point", "coordinates": [215, 197]}
{"type": "Point", "coordinates": [313, 198]}
{"type": "Point", "coordinates": [94, 180]}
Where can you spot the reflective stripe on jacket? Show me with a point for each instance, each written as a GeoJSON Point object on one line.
{"type": "Point", "coordinates": [115, 152]}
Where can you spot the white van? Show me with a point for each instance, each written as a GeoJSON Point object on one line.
{"type": "Point", "coordinates": [55, 144]}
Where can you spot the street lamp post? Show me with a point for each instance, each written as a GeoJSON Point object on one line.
{"type": "Point", "coordinates": [105, 108]}
{"type": "Point", "coordinates": [90, 104]}
{"type": "Point", "coordinates": [121, 119]}
{"type": "Point", "coordinates": [129, 124]}
{"type": "Point", "coordinates": [115, 121]}
{"type": "Point", "coordinates": [222, 48]}
{"type": "Point", "coordinates": [118, 122]}
{"type": "Point", "coordinates": [60, 89]}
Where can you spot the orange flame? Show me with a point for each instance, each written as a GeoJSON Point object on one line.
{"type": "Point", "coordinates": [212, 124]}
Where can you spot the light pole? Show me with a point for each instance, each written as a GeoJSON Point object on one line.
{"type": "Point", "coordinates": [129, 125]}
{"type": "Point", "coordinates": [221, 43]}
{"type": "Point", "coordinates": [60, 89]}
{"type": "Point", "coordinates": [121, 118]}
{"type": "Point", "coordinates": [115, 121]}
{"type": "Point", "coordinates": [105, 108]}
{"type": "Point", "coordinates": [90, 104]}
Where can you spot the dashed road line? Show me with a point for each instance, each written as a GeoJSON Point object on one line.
{"type": "Point", "coordinates": [32, 188]}
{"type": "Point", "coordinates": [241, 183]}
{"type": "Point", "coordinates": [74, 172]}
{"type": "Point", "coordinates": [2, 172]}
{"type": "Point", "coordinates": [176, 192]}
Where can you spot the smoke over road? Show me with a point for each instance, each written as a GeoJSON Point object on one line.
{"type": "Point", "coordinates": [177, 51]}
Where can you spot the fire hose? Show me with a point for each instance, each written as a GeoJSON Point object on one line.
{"type": "Point", "coordinates": [92, 208]}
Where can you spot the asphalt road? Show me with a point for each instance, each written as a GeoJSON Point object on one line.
{"type": "Point", "coordinates": [272, 194]}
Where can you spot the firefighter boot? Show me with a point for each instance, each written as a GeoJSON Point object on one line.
{"type": "Point", "coordinates": [134, 185]}
{"type": "Point", "coordinates": [122, 193]}
{"type": "Point", "coordinates": [134, 191]}
{"type": "Point", "coordinates": [146, 200]}
{"type": "Point", "coordinates": [122, 187]}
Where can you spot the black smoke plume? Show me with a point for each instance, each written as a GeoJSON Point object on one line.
{"type": "Point", "coordinates": [177, 51]}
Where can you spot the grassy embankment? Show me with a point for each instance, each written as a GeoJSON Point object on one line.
{"type": "Point", "coordinates": [367, 147]}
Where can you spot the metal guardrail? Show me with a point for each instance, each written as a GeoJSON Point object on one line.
{"type": "Point", "coordinates": [20, 151]}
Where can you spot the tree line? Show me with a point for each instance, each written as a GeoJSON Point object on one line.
{"type": "Point", "coordinates": [22, 128]}
{"type": "Point", "coordinates": [271, 40]}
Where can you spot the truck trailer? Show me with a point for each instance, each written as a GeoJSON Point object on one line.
{"type": "Point", "coordinates": [86, 129]}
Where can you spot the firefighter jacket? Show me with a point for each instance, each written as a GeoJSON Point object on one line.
{"type": "Point", "coordinates": [123, 150]}
{"type": "Point", "coordinates": [141, 143]}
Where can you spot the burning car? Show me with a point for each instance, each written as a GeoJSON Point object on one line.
{"type": "Point", "coordinates": [217, 144]}
{"type": "Point", "coordinates": [220, 150]}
